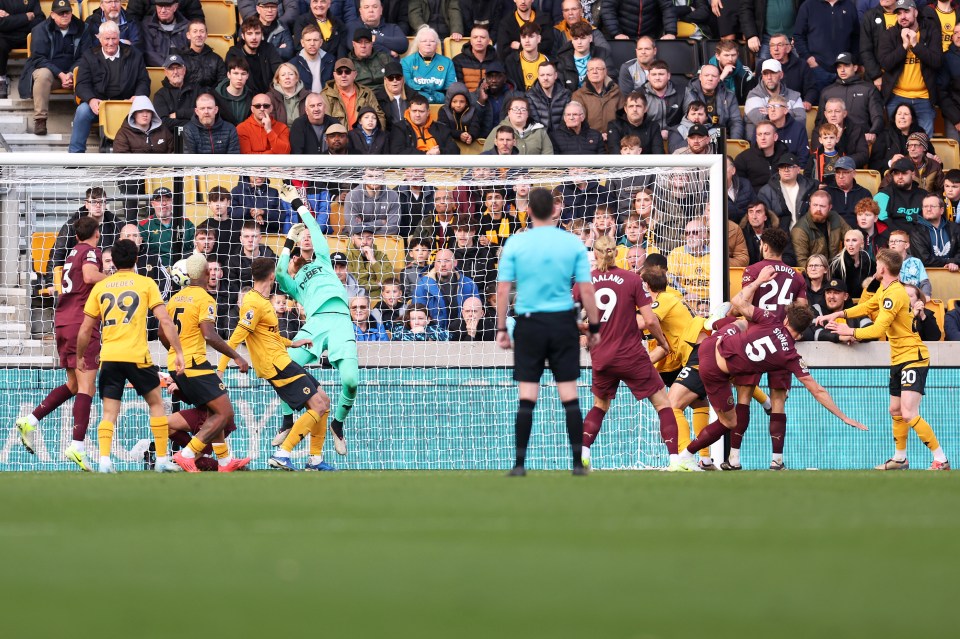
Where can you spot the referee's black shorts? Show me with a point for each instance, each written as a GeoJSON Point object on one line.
{"type": "Point", "coordinates": [542, 337]}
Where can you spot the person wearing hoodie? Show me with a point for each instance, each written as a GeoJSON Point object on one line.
{"type": "Point", "coordinates": [261, 133]}
{"type": "Point", "coordinates": [427, 71]}
{"type": "Point", "coordinates": [771, 84]}
{"type": "Point", "coordinates": [366, 137]}
{"type": "Point", "coordinates": [207, 132]}
{"type": "Point", "coordinates": [420, 133]}
{"type": "Point", "coordinates": [460, 115]}
{"type": "Point", "coordinates": [233, 95]}
{"type": "Point", "coordinates": [314, 65]}
{"type": "Point", "coordinates": [204, 67]}
{"type": "Point", "coordinates": [287, 95]}
{"type": "Point", "coordinates": [792, 131]}
{"type": "Point", "coordinates": [548, 97]}
{"type": "Point", "coordinates": [164, 30]}
{"type": "Point", "coordinates": [532, 138]}
{"type": "Point", "coordinates": [725, 112]}
{"type": "Point", "coordinates": [143, 130]}
{"type": "Point", "coordinates": [863, 101]}
{"type": "Point", "coordinates": [936, 241]}
{"type": "Point", "coordinates": [175, 99]}
{"type": "Point", "coordinates": [901, 201]}
{"type": "Point", "coordinates": [632, 119]}
{"type": "Point", "coordinates": [734, 76]}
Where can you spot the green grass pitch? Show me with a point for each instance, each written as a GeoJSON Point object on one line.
{"type": "Point", "coordinates": [477, 554]}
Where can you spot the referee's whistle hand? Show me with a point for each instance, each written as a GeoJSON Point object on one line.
{"type": "Point", "coordinates": [503, 340]}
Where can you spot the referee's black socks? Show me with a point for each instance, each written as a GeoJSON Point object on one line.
{"type": "Point", "coordinates": [523, 427]}
{"type": "Point", "coordinates": [575, 430]}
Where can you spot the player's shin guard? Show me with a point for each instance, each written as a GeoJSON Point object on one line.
{"type": "Point", "coordinates": [81, 416]}
{"type": "Point", "coordinates": [349, 370]}
{"type": "Point", "coordinates": [900, 431]}
{"type": "Point", "coordinates": [591, 425]}
{"type": "Point", "coordinates": [52, 401]}
{"type": "Point", "coordinates": [160, 427]}
{"type": "Point", "coordinates": [105, 437]}
{"type": "Point", "coordinates": [701, 419]}
{"type": "Point", "coordinates": [524, 425]}
{"type": "Point", "coordinates": [574, 429]}
{"type": "Point", "coordinates": [924, 432]}
{"type": "Point", "coordinates": [306, 423]}
{"type": "Point", "coordinates": [683, 428]}
{"type": "Point", "coordinates": [709, 436]}
{"type": "Point", "coordinates": [668, 429]}
{"type": "Point", "coordinates": [318, 435]}
{"type": "Point", "coordinates": [778, 431]}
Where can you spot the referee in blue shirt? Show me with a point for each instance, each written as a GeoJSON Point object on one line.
{"type": "Point", "coordinates": [544, 262]}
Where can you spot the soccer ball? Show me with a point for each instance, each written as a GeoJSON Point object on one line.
{"type": "Point", "coordinates": [180, 274]}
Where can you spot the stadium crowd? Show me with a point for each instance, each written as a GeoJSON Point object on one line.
{"type": "Point", "coordinates": [533, 77]}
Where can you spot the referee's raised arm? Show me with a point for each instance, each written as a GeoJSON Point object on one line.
{"type": "Point", "coordinates": [542, 263]}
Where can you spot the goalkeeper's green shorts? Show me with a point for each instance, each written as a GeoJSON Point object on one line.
{"type": "Point", "coordinates": [330, 332]}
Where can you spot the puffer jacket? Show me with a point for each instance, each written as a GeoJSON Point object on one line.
{"type": "Point", "coordinates": [727, 112]}
{"type": "Point", "coordinates": [567, 142]}
{"type": "Point", "coordinates": [548, 111]}
{"type": "Point", "coordinates": [158, 42]}
{"type": "Point", "coordinates": [900, 208]}
{"type": "Point", "coordinates": [808, 239]}
{"type": "Point", "coordinates": [531, 140]}
{"type": "Point", "coordinates": [638, 18]}
{"type": "Point", "coordinates": [132, 139]}
{"type": "Point", "coordinates": [204, 69]}
{"type": "Point", "coordinates": [471, 70]}
{"type": "Point", "coordinates": [649, 132]}
{"type": "Point", "coordinates": [468, 121]}
{"type": "Point", "coordinates": [221, 137]}
{"type": "Point", "coordinates": [601, 107]}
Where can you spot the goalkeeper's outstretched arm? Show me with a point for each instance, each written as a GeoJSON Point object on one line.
{"type": "Point", "coordinates": [290, 195]}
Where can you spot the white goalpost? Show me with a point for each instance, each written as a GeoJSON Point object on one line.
{"type": "Point", "coordinates": [441, 398]}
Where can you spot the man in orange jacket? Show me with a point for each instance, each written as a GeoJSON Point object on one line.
{"type": "Point", "coordinates": [261, 133]}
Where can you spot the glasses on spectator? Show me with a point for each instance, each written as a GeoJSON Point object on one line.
{"type": "Point", "coordinates": [779, 45]}
{"type": "Point", "coordinates": [897, 242]}
{"type": "Point", "coordinates": [261, 106]}
{"type": "Point", "coordinates": [343, 71]}
{"type": "Point", "coordinates": [519, 109]}
{"type": "Point", "coordinates": [816, 265]}
{"type": "Point", "coordinates": [357, 307]}
{"type": "Point", "coordinates": [394, 78]}
{"type": "Point", "coordinates": [694, 232]}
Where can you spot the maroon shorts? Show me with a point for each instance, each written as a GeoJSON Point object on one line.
{"type": "Point", "coordinates": [780, 380]}
{"type": "Point", "coordinates": [715, 381]}
{"type": "Point", "coordinates": [642, 380]}
{"type": "Point", "coordinates": [67, 348]}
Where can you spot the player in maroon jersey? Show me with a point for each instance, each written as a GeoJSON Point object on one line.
{"type": "Point", "coordinates": [82, 269]}
{"type": "Point", "coordinates": [765, 344]}
{"type": "Point", "coordinates": [622, 352]}
{"type": "Point", "coordinates": [775, 296]}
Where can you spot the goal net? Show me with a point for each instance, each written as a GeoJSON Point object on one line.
{"type": "Point", "coordinates": [416, 242]}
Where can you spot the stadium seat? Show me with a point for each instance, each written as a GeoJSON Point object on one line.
{"type": "Point", "coordinates": [939, 126]}
{"type": "Point", "coordinates": [220, 43]}
{"type": "Point", "coordinates": [736, 147]}
{"type": "Point", "coordinates": [945, 284]}
{"type": "Point", "coordinates": [952, 304]}
{"type": "Point", "coordinates": [811, 120]}
{"type": "Point", "coordinates": [685, 29]}
{"type": "Point", "coordinates": [736, 279]}
{"type": "Point", "coordinates": [949, 152]}
{"type": "Point", "coordinates": [220, 16]}
{"type": "Point", "coordinates": [190, 187]}
{"type": "Point", "coordinates": [156, 80]}
{"type": "Point", "coordinates": [869, 179]}
{"type": "Point", "coordinates": [112, 115]}
{"type": "Point", "coordinates": [936, 307]}
{"type": "Point", "coordinates": [435, 110]}
{"type": "Point", "coordinates": [41, 245]}
{"type": "Point", "coordinates": [451, 48]}
{"type": "Point", "coordinates": [211, 180]}
{"type": "Point", "coordinates": [410, 48]}
{"type": "Point", "coordinates": [622, 51]}
{"type": "Point", "coordinates": [470, 149]}
{"type": "Point", "coordinates": [681, 55]}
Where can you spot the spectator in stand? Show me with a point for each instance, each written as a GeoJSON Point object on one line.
{"type": "Point", "coordinates": [345, 97]}
{"type": "Point", "coordinates": [261, 56]}
{"type": "Point", "coordinates": [852, 139]}
{"type": "Point", "coordinates": [94, 206]}
{"type": "Point", "coordinates": [924, 321]}
{"type": "Point", "coordinates": [113, 11]}
{"type": "Point", "coordinates": [822, 31]}
{"type": "Point", "coordinates": [175, 99]}
{"type": "Point", "coordinates": [332, 29]}
{"type": "Point", "coordinates": [391, 306]}
{"type": "Point", "coordinates": [547, 98]}
{"type": "Point", "coordinates": [205, 240]}
{"type": "Point", "coordinates": [234, 95]}
{"type": "Point", "coordinates": [532, 138]}
{"type": "Point", "coordinates": [443, 289]}
{"type": "Point", "coordinates": [951, 194]}
{"type": "Point", "coordinates": [369, 63]}
{"type": "Point", "coordinates": [494, 94]}
{"type": "Point", "coordinates": [250, 248]}
{"type": "Point", "coordinates": [148, 264]}
{"type": "Point", "coordinates": [819, 231]}
{"type": "Point", "coordinates": [757, 220]}
{"type": "Point", "coordinates": [260, 133]}
{"type": "Point", "coordinates": [367, 263]}
{"type": "Point", "coordinates": [573, 58]}
{"type": "Point", "coordinates": [339, 261]}
{"type": "Point", "coordinates": [496, 223]}
{"type": "Point", "coordinates": [936, 241]}
{"type": "Point", "coordinates": [420, 133]}
{"type": "Point", "coordinates": [633, 73]}
{"type": "Point", "coordinates": [366, 137]}
{"type": "Point", "coordinates": [891, 143]}
{"type": "Point", "coordinates": [632, 119]}
{"type": "Point", "coordinates": [722, 108]}
{"type": "Point", "coordinates": [761, 24]}
{"type": "Point", "coordinates": [226, 315]}
{"type": "Point", "coordinates": [140, 9]}
{"type": "Point", "coordinates": [689, 264]}
{"type": "Point", "coordinates": [572, 12]}
{"type": "Point", "coordinates": [417, 199]}
{"type": "Point", "coordinates": [393, 94]}
{"type": "Point", "coordinates": [143, 130]}
{"type": "Point", "coordinates": [420, 327]}
{"type": "Point", "coordinates": [949, 86]}
{"type": "Point", "coordinates": [207, 132]}
{"type": "Point", "coordinates": [389, 38]}
{"type": "Point", "coordinates": [599, 95]}
{"type": "Point", "coordinates": [373, 205]}
{"type": "Point", "coordinates": [581, 196]}
{"type": "Point", "coordinates": [625, 20]}
{"type": "Point", "coordinates": [663, 100]}
{"type": "Point", "coordinates": [427, 71]}
{"type": "Point", "coordinates": [336, 140]}
{"type": "Point", "coordinates": [758, 164]}
{"type": "Point", "coordinates": [460, 115]}
{"type": "Point", "coordinates": [307, 131]}
{"type": "Point", "coordinates": [366, 328]}
{"type": "Point", "coordinates": [274, 31]}
{"type": "Point", "coordinates": [914, 40]}
{"type": "Point", "coordinates": [288, 10]}
{"type": "Point", "coordinates": [435, 227]}
{"type": "Point", "coordinates": [287, 94]}
{"type": "Point", "coordinates": [874, 22]}
{"type": "Point", "coordinates": [853, 265]}
{"type": "Point", "coordinates": [862, 100]}
{"type": "Point", "coordinates": [771, 84]}
{"type": "Point", "coordinates": [418, 262]}
{"type": "Point", "coordinates": [54, 53]}
{"type": "Point", "coordinates": [821, 166]}
{"type": "Point", "coordinates": [926, 169]}
{"type": "Point", "coordinates": [163, 236]}
{"type": "Point", "coordinates": [740, 193]}
{"type": "Point", "coordinates": [164, 32]}
{"type": "Point", "coordinates": [735, 77]}
{"type": "Point", "coordinates": [787, 194]}
{"type": "Point", "coordinates": [288, 318]}
{"type": "Point", "coordinates": [797, 75]}
{"type": "Point", "coordinates": [444, 16]}
{"type": "Point", "coordinates": [902, 200]}
{"type": "Point", "coordinates": [696, 113]}
{"type": "Point", "coordinates": [698, 141]}
{"type": "Point", "coordinates": [472, 325]}
{"type": "Point", "coordinates": [574, 137]}
{"type": "Point", "coordinates": [471, 64]}
{"type": "Point", "coordinates": [521, 65]}
{"type": "Point", "coordinates": [205, 68]}
{"type": "Point", "coordinates": [508, 35]}
{"type": "Point", "coordinates": [112, 71]}
{"type": "Point", "coordinates": [817, 275]}
{"type": "Point", "coordinates": [845, 192]}
{"type": "Point", "coordinates": [314, 65]}
{"type": "Point", "coordinates": [951, 323]}
{"type": "Point", "coordinates": [912, 272]}
{"type": "Point", "coordinates": [792, 132]}
{"type": "Point", "coordinates": [875, 234]}
{"type": "Point", "coordinates": [835, 299]}
{"type": "Point", "coordinates": [504, 142]}
{"type": "Point", "coordinates": [253, 199]}
{"type": "Point", "coordinates": [476, 262]}
{"type": "Point", "coordinates": [226, 228]}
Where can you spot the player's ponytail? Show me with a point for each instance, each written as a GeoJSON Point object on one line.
{"type": "Point", "coordinates": [605, 250]}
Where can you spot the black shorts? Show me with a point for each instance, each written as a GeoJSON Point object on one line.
{"type": "Point", "coordinates": [669, 377]}
{"type": "Point", "coordinates": [689, 378]}
{"type": "Point", "coordinates": [200, 384]}
{"type": "Point", "coordinates": [115, 375]}
{"type": "Point", "coordinates": [539, 337]}
{"type": "Point", "coordinates": [294, 385]}
{"type": "Point", "coordinates": [911, 376]}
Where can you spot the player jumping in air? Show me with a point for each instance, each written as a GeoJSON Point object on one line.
{"type": "Point", "coordinates": [766, 345]}
{"type": "Point", "coordinates": [194, 314]}
{"type": "Point", "coordinates": [620, 355]}
{"type": "Point", "coordinates": [909, 358]}
{"type": "Point", "coordinates": [258, 326]}
{"type": "Point", "coordinates": [329, 326]}
{"type": "Point", "coordinates": [81, 271]}
{"type": "Point", "coordinates": [119, 304]}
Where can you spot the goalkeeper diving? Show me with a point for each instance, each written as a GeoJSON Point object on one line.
{"type": "Point", "coordinates": [329, 327]}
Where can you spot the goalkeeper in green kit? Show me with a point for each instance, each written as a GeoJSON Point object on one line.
{"type": "Point", "coordinates": [329, 326]}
